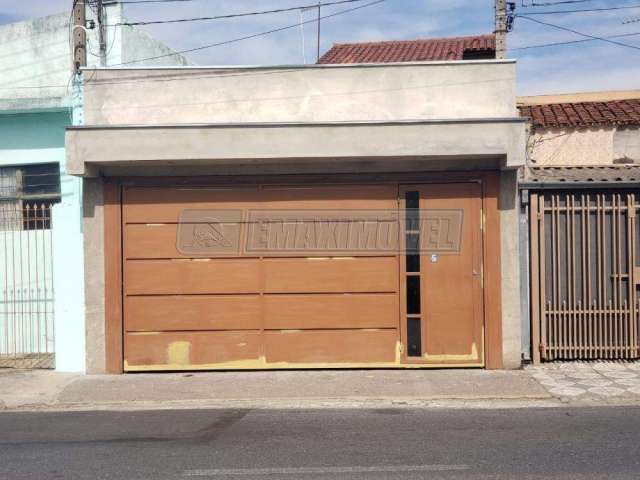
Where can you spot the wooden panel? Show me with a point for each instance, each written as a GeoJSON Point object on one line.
{"type": "Point", "coordinates": [151, 241]}
{"type": "Point", "coordinates": [330, 197]}
{"type": "Point", "coordinates": [331, 346]}
{"type": "Point", "coordinates": [191, 276]}
{"type": "Point", "coordinates": [492, 273]}
{"type": "Point", "coordinates": [315, 275]}
{"type": "Point", "coordinates": [164, 205]}
{"type": "Point", "coordinates": [113, 278]}
{"type": "Point", "coordinates": [199, 312]}
{"type": "Point", "coordinates": [185, 350]}
{"type": "Point", "coordinates": [331, 311]}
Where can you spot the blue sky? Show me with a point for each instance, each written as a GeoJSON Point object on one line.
{"type": "Point", "coordinates": [585, 66]}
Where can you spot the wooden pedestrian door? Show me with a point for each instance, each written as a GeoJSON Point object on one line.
{"type": "Point", "coordinates": [442, 274]}
{"type": "Point", "coordinates": [585, 275]}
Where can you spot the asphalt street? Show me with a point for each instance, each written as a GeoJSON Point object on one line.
{"type": "Point", "coordinates": [398, 443]}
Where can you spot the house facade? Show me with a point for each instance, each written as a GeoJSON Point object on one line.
{"type": "Point", "coordinates": [42, 313]}
{"type": "Point", "coordinates": [580, 201]}
{"type": "Point", "coordinates": [188, 197]}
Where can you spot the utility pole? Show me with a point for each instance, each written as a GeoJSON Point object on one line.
{"type": "Point", "coordinates": [501, 28]}
{"type": "Point", "coordinates": [79, 35]}
{"type": "Point", "coordinates": [102, 42]}
{"type": "Point", "coordinates": [318, 53]}
{"type": "Point", "coordinates": [505, 16]}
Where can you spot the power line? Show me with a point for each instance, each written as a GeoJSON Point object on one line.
{"type": "Point", "coordinates": [234, 15]}
{"type": "Point", "coordinates": [153, 1]}
{"type": "Point", "coordinates": [552, 4]}
{"type": "Point", "coordinates": [584, 10]}
{"type": "Point", "coordinates": [247, 37]}
{"type": "Point", "coordinates": [566, 29]}
{"type": "Point", "coordinates": [571, 42]}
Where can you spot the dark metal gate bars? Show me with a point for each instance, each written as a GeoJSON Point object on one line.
{"type": "Point", "coordinates": [585, 275]}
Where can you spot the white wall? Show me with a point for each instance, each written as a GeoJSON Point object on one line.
{"type": "Point", "coordinates": [587, 146]}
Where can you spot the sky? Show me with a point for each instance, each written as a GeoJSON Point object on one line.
{"type": "Point", "coordinates": [586, 66]}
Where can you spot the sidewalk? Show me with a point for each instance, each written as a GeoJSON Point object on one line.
{"type": "Point", "coordinates": [603, 383]}
{"type": "Point", "coordinates": [38, 390]}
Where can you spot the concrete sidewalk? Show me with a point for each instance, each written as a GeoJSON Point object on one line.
{"type": "Point", "coordinates": [22, 390]}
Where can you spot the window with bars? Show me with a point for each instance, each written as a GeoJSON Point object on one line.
{"type": "Point", "coordinates": [27, 193]}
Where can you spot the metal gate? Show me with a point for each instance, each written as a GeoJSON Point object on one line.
{"type": "Point", "coordinates": [585, 275]}
{"type": "Point", "coordinates": [26, 285]}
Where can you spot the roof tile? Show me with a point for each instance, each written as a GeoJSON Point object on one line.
{"type": "Point", "coordinates": [627, 174]}
{"type": "Point", "coordinates": [421, 50]}
{"type": "Point", "coordinates": [583, 114]}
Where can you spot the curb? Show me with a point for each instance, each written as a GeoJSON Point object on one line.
{"type": "Point", "coordinates": [300, 404]}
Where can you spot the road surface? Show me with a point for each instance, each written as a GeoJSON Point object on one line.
{"type": "Point", "coordinates": [536, 443]}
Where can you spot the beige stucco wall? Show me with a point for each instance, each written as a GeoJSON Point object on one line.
{"type": "Point", "coordinates": [589, 146]}
{"type": "Point", "coordinates": [93, 230]}
{"type": "Point", "coordinates": [333, 93]}
{"type": "Point", "coordinates": [510, 269]}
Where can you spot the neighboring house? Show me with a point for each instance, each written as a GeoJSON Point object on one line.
{"type": "Point", "coordinates": [40, 205]}
{"type": "Point", "coordinates": [194, 194]}
{"type": "Point", "coordinates": [580, 198]}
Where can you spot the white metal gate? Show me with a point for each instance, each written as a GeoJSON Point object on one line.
{"type": "Point", "coordinates": [26, 285]}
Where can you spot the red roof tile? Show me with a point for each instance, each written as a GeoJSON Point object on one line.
{"type": "Point", "coordinates": [583, 114]}
{"type": "Point", "coordinates": [429, 49]}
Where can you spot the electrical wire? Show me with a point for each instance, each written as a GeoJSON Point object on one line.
{"type": "Point", "coordinates": [571, 42]}
{"type": "Point", "coordinates": [584, 10]}
{"type": "Point", "coordinates": [152, 1]}
{"type": "Point", "coordinates": [566, 29]}
{"type": "Point", "coordinates": [552, 4]}
{"type": "Point", "coordinates": [247, 37]}
{"type": "Point", "coordinates": [234, 15]}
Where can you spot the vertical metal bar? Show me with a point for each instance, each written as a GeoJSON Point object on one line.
{"type": "Point", "coordinates": [534, 242]}
{"type": "Point", "coordinates": [542, 281]}
{"type": "Point", "coordinates": [583, 302]}
{"type": "Point", "coordinates": [554, 274]}
{"type": "Point", "coordinates": [44, 277]}
{"type": "Point", "coordinates": [614, 272]}
{"type": "Point", "coordinates": [28, 303]}
{"type": "Point", "coordinates": [631, 234]}
{"type": "Point", "coordinates": [13, 289]}
{"type": "Point", "coordinates": [52, 287]}
{"type": "Point", "coordinates": [572, 256]}
{"type": "Point", "coordinates": [36, 312]}
{"type": "Point", "coordinates": [590, 304]}
{"type": "Point", "coordinates": [5, 263]}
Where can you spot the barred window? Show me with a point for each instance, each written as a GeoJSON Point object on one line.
{"type": "Point", "coordinates": [27, 193]}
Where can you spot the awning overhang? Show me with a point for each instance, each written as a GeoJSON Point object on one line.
{"type": "Point", "coordinates": [96, 150]}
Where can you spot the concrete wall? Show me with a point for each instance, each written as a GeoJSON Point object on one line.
{"type": "Point", "coordinates": [451, 90]}
{"type": "Point", "coordinates": [510, 264]}
{"type": "Point", "coordinates": [592, 146]}
{"type": "Point", "coordinates": [93, 151]}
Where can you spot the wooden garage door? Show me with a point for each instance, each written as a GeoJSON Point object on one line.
{"type": "Point", "coordinates": [199, 311]}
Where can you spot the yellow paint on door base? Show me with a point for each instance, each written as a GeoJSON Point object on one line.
{"type": "Point", "coordinates": [454, 357]}
{"type": "Point", "coordinates": [179, 353]}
